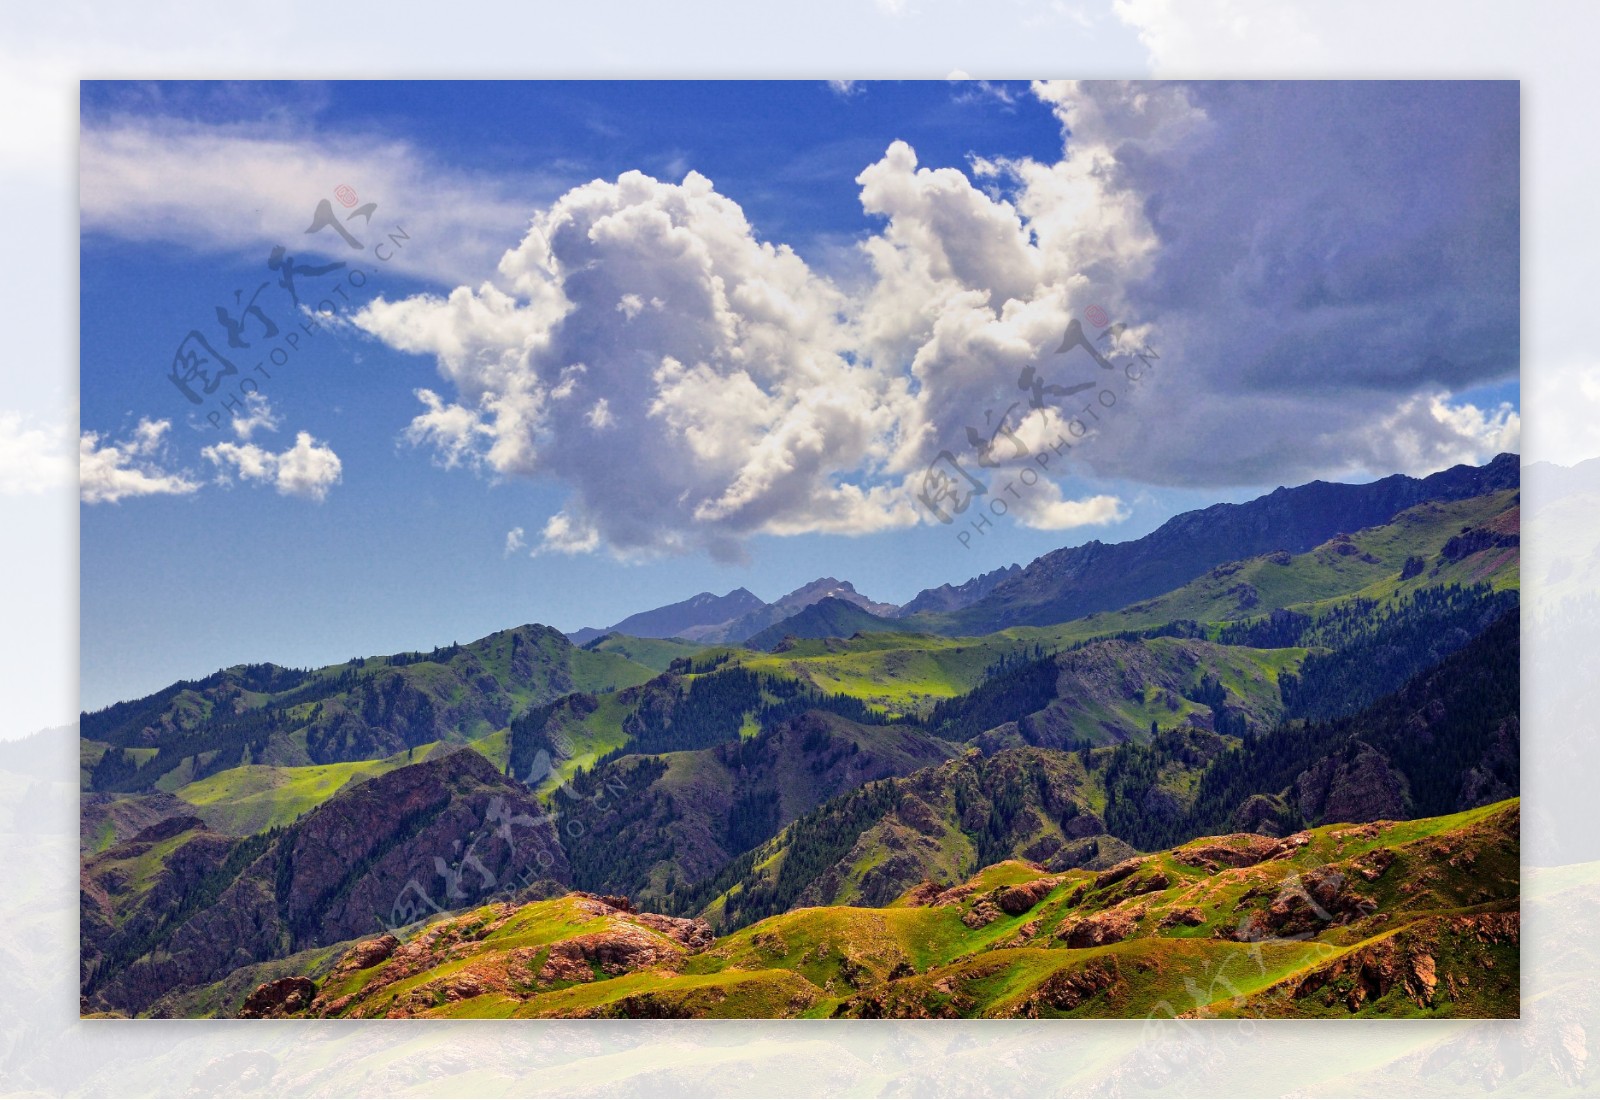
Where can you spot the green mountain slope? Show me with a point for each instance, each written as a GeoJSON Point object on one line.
{"type": "Point", "coordinates": [1392, 919]}
{"type": "Point", "coordinates": [180, 905]}
{"type": "Point", "coordinates": [830, 617]}
{"type": "Point", "coordinates": [257, 797]}
{"type": "Point", "coordinates": [656, 654]}
{"type": "Point", "coordinates": [1467, 542]}
{"type": "Point", "coordinates": [647, 826]}
{"type": "Point", "coordinates": [366, 709]}
{"type": "Point", "coordinates": [1446, 740]}
{"type": "Point", "coordinates": [1076, 581]}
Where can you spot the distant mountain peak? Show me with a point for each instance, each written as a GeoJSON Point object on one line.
{"type": "Point", "coordinates": [953, 597]}
{"type": "Point", "coordinates": [682, 619]}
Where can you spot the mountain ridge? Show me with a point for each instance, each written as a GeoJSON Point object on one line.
{"type": "Point", "coordinates": [1075, 581]}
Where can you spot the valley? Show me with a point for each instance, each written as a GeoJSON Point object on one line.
{"type": "Point", "coordinates": [829, 806]}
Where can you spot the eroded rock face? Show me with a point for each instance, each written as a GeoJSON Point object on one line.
{"type": "Point", "coordinates": [1372, 972]}
{"type": "Point", "coordinates": [1357, 785]}
{"type": "Point", "coordinates": [1118, 873]}
{"type": "Point", "coordinates": [1261, 814]}
{"type": "Point", "coordinates": [1016, 900]}
{"type": "Point", "coordinates": [613, 952]}
{"type": "Point", "coordinates": [1235, 850]}
{"type": "Point", "coordinates": [983, 913]}
{"type": "Point", "coordinates": [1101, 928]}
{"type": "Point", "coordinates": [275, 1000]}
{"type": "Point", "coordinates": [369, 953]}
{"type": "Point", "coordinates": [1305, 904]}
{"type": "Point", "coordinates": [1066, 990]}
{"type": "Point", "coordinates": [692, 933]}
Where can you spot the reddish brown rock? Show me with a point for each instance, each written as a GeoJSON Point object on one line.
{"type": "Point", "coordinates": [983, 913]}
{"type": "Point", "coordinates": [277, 999]}
{"type": "Point", "coordinates": [953, 895]}
{"type": "Point", "coordinates": [693, 933]}
{"type": "Point", "coordinates": [1102, 928]}
{"type": "Point", "coordinates": [1116, 874]}
{"type": "Point", "coordinates": [1235, 850]}
{"type": "Point", "coordinates": [1065, 990]}
{"type": "Point", "coordinates": [369, 953]}
{"type": "Point", "coordinates": [615, 951]}
{"type": "Point", "coordinates": [1016, 900]}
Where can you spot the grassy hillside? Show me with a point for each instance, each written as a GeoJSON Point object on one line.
{"type": "Point", "coordinates": [364, 709]}
{"type": "Point", "coordinates": [1368, 563]}
{"type": "Point", "coordinates": [1072, 582]}
{"type": "Point", "coordinates": [655, 654]}
{"type": "Point", "coordinates": [373, 709]}
{"type": "Point", "coordinates": [1390, 919]}
{"type": "Point", "coordinates": [180, 905]}
{"type": "Point", "coordinates": [648, 826]}
{"type": "Point", "coordinates": [1466, 542]}
{"type": "Point", "coordinates": [256, 797]}
{"type": "Point", "coordinates": [829, 617]}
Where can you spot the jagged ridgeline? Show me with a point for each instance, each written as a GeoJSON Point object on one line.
{"type": "Point", "coordinates": [838, 760]}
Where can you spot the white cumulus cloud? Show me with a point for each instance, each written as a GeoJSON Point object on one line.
{"type": "Point", "coordinates": [1308, 265]}
{"type": "Point", "coordinates": [133, 467]}
{"type": "Point", "coordinates": [308, 469]}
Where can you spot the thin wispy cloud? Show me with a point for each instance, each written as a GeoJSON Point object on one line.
{"type": "Point", "coordinates": [217, 188]}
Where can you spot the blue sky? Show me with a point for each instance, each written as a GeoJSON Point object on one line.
{"type": "Point", "coordinates": [1295, 343]}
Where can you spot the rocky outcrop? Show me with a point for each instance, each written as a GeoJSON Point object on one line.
{"type": "Point", "coordinates": [1100, 929]}
{"type": "Point", "coordinates": [1016, 900]}
{"type": "Point", "coordinates": [1359, 784]}
{"type": "Point", "coordinates": [923, 893]}
{"type": "Point", "coordinates": [277, 999]}
{"type": "Point", "coordinates": [1114, 875]}
{"type": "Point", "coordinates": [1266, 815]}
{"type": "Point", "coordinates": [984, 912]}
{"type": "Point", "coordinates": [614, 940]}
{"type": "Point", "coordinates": [1303, 905]}
{"type": "Point", "coordinates": [367, 954]}
{"type": "Point", "coordinates": [692, 933]}
{"type": "Point", "coordinates": [1066, 990]}
{"type": "Point", "coordinates": [1408, 962]}
{"type": "Point", "coordinates": [611, 952]}
{"type": "Point", "coordinates": [1239, 850]}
